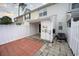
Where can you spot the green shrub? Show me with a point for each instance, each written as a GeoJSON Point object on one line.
{"type": "Point", "coordinates": [5, 20]}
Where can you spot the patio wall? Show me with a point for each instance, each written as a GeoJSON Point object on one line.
{"type": "Point", "coordinates": [73, 37]}
{"type": "Point", "coordinates": [9, 33]}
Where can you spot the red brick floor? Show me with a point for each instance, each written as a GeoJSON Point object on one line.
{"type": "Point", "coordinates": [21, 47]}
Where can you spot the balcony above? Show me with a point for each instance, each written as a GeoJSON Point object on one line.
{"type": "Point", "coordinates": [38, 19]}
{"type": "Point", "coordinates": [75, 12]}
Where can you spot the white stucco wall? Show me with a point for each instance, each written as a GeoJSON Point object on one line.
{"type": "Point", "coordinates": [35, 15]}
{"type": "Point", "coordinates": [34, 28]}
{"type": "Point", "coordinates": [59, 9]}
{"type": "Point", "coordinates": [10, 33]}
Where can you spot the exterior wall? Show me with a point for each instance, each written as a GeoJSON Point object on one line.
{"type": "Point", "coordinates": [34, 15]}
{"type": "Point", "coordinates": [34, 28]}
{"type": "Point", "coordinates": [10, 33]}
{"type": "Point", "coordinates": [57, 13]}
{"type": "Point", "coordinates": [59, 10]}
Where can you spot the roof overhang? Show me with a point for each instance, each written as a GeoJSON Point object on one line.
{"type": "Point", "coordinates": [75, 12]}
{"type": "Point", "coordinates": [38, 20]}
{"type": "Point", "coordinates": [41, 7]}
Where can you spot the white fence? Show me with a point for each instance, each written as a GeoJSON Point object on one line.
{"type": "Point", "coordinates": [73, 37]}
{"type": "Point", "coordinates": [12, 32]}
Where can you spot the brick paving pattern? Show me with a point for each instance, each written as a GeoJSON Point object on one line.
{"type": "Point", "coordinates": [35, 47]}
{"type": "Point", "coordinates": [21, 47]}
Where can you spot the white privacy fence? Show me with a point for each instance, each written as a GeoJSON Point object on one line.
{"type": "Point", "coordinates": [73, 37]}
{"type": "Point", "coordinates": [12, 32]}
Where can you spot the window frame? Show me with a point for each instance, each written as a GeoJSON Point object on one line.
{"type": "Point", "coordinates": [69, 23]}
{"type": "Point", "coordinates": [40, 14]}
{"type": "Point", "coordinates": [28, 16]}
{"type": "Point", "coordinates": [60, 27]}
{"type": "Point", "coordinates": [45, 13]}
{"type": "Point", "coordinates": [75, 5]}
{"type": "Point", "coordinates": [75, 19]}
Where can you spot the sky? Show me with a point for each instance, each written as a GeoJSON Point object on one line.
{"type": "Point", "coordinates": [11, 9]}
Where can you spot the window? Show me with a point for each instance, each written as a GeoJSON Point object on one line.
{"type": "Point", "coordinates": [60, 27]}
{"type": "Point", "coordinates": [44, 13]}
{"type": "Point", "coordinates": [40, 14]}
{"type": "Point", "coordinates": [76, 19]}
{"type": "Point", "coordinates": [25, 17]}
{"type": "Point", "coordinates": [75, 5]}
{"type": "Point", "coordinates": [69, 23]}
{"type": "Point", "coordinates": [53, 31]}
{"type": "Point", "coordinates": [28, 16]}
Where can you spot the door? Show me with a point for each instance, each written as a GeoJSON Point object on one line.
{"type": "Point", "coordinates": [46, 31]}
{"type": "Point", "coordinates": [49, 32]}
{"type": "Point", "coordinates": [42, 30]}
{"type": "Point", "coordinates": [39, 28]}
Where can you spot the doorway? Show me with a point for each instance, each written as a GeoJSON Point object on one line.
{"type": "Point", "coordinates": [39, 28]}
{"type": "Point", "coordinates": [35, 30]}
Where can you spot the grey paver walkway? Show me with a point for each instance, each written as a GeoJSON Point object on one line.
{"type": "Point", "coordinates": [57, 48]}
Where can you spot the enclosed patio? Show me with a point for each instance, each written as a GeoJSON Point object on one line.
{"type": "Point", "coordinates": [29, 46]}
